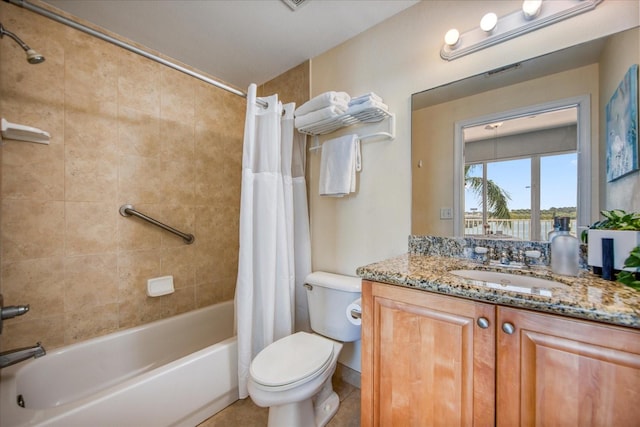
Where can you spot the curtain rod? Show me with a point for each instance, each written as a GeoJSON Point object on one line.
{"type": "Point", "coordinates": [66, 21]}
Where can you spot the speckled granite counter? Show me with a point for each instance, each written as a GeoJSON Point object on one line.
{"type": "Point", "coordinates": [588, 297]}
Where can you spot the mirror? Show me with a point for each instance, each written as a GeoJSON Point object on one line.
{"type": "Point", "coordinates": [444, 119]}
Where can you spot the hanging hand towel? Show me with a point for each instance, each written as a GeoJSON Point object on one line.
{"type": "Point", "coordinates": [319, 115]}
{"type": "Point", "coordinates": [339, 162]}
{"type": "Point", "coordinates": [323, 100]}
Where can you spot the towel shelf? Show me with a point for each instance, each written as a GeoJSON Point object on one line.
{"type": "Point", "coordinates": [368, 115]}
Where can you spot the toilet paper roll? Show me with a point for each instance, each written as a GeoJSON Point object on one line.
{"type": "Point", "coordinates": [355, 306]}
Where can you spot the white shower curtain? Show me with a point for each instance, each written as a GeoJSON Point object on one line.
{"type": "Point", "coordinates": [265, 289]}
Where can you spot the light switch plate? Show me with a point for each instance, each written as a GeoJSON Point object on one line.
{"type": "Point", "coordinates": [446, 213]}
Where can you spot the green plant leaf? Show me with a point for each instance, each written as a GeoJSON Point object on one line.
{"type": "Point", "coordinates": [628, 278]}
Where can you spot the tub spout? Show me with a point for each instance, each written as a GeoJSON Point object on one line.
{"type": "Point", "coordinates": [11, 357]}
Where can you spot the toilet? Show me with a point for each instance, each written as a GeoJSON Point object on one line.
{"type": "Point", "coordinates": [292, 376]}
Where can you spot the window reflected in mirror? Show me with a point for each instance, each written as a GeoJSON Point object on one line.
{"type": "Point", "coordinates": [519, 174]}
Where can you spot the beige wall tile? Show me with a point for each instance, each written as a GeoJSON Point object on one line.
{"type": "Point", "coordinates": [138, 132]}
{"type": "Point", "coordinates": [209, 182]}
{"type": "Point", "coordinates": [37, 282]}
{"type": "Point", "coordinates": [181, 301]}
{"type": "Point", "coordinates": [90, 126]}
{"type": "Point", "coordinates": [178, 181]}
{"type": "Point", "coordinates": [48, 330]}
{"type": "Point", "coordinates": [177, 96]}
{"type": "Point", "coordinates": [91, 69]}
{"type": "Point", "coordinates": [90, 227]}
{"type": "Point", "coordinates": [178, 262]}
{"type": "Point", "coordinates": [32, 229]}
{"type": "Point", "coordinates": [90, 281]}
{"type": "Point", "coordinates": [177, 139]}
{"type": "Point", "coordinates": [32, 171]}
{"type": "Point", "coordinates": [139, 180]}
{"type": "Point", "coordinates": [136, 267]}
{"type": "Point", "coordinates": [139, 83]}
{"type": "Point", "coordinates": [82, 324]}
{"type": "Point", "coordinates": [91, 175]}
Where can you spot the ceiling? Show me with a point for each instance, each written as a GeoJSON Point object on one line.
{"type": "Point", "coordinates": [237, 41]}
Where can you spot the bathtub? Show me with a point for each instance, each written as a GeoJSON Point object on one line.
{"type": "Point", "coordinates": [172, 372]}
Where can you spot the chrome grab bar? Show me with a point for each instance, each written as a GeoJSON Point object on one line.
{"type": "Point", "coordinates": [128, 210]}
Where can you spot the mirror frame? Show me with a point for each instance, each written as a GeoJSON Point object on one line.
{"type": "Point", "coordinates": [581, 103]}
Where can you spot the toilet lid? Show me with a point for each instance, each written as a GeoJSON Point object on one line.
{"type": "Point", "coordinates": [291, 359]}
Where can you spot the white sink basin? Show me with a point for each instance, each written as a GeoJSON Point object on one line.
{"type": "Point", "coordinates": [511, 282]}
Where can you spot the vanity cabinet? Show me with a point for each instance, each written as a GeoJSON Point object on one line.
{"type": "Point", "coordinates": [425, 360]}
{"type": "Point", "coordinates": [436, 360]}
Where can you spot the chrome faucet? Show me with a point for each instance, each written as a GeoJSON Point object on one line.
{"type": "Point", "coordinates": [504, 257]}
{"type": "Point", "coordinates": [11, 357]}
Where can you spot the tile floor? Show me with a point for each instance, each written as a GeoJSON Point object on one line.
{"type": "Point", "coordinates": [244, 413]}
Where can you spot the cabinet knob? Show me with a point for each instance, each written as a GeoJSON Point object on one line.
{"type": "Point", "coordinates": [483, 322]}
{"type": "Point", "coordinates": [508, 328]}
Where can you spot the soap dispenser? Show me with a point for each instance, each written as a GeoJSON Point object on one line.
{"type": "Point", "coordinates": [565, 250]}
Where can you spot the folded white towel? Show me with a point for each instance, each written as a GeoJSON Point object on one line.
{"type": "Point", "coordinates": [323, 100]}
{"type": "Point", "coordinates": [364, 98]}
{"type": "Point", "coordinates": [319, 115]}
{"type": "Point", "coordinates": [340, 159]}
{"type": "Point", "coordinates": [357, 108]}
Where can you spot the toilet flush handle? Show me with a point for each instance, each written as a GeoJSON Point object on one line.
{"type": "Point", "coordinates": [308, 286]}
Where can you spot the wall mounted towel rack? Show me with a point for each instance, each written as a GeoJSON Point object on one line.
{"type": "Point", "coordinates": [369, 117]}
{"type": "Point", "coordinates": [128, 210]}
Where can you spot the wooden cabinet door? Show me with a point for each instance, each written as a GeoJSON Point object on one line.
{"type": "Point", "coordinates": [425, 360]}
{"type": "Point", "coordinates": [555, 371]}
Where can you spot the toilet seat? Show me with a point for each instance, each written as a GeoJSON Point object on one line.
{"type": "Point", "coordinates": [292, 360]}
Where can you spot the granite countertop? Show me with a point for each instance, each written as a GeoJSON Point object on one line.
{"type": "Point", "coordinates": [587, 297]}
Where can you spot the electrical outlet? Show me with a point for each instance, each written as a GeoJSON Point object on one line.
{"type": "Point", "coordinates": [446, 213]}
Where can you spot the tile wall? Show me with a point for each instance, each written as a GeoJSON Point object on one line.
{"type": "Point", "coordinates": [124, 130]}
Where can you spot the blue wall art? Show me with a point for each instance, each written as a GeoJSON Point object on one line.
{"type": "Point", "coordinates": [622, 127]}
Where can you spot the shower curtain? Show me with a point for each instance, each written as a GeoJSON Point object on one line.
{"type": "Point", "coordinates": [265, 289]}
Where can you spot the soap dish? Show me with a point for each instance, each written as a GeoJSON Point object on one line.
{"type": "Point", "coordinates": [160, 286]}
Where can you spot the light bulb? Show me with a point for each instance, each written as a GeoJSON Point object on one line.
{"type": "Point", "coordinates": [531, 8]}
{"type": "Point", "coordinates": [452, 37]}
{"type": "Point", "coordinates": [488, 22]}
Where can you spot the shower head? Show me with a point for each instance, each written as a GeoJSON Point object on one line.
{"type": "Point", "coordinates": [33, 57]}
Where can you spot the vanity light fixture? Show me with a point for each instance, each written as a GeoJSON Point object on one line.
{"type": "Point", "coordinates": [452, 38]}
{"type": "Point", "coordinates": [531, 8]}
{"type": "Point", "coordinates": [533, 15]}
{"type": "Point", "coordinates": [488, 22]}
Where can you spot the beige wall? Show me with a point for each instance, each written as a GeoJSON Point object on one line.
{"type": "Point", "coordinates": [618, 56]}
{"type": "Point", "coordinates": [395, 59]}
{"type": "Point", "coordinates": [124, 130]}
{"type": "Point", "coordinates": [291, 86]}
{"type": "Point", "coordinates": [433, 133]}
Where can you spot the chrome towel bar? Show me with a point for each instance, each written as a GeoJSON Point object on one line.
{"type": "Point", "coordinates": [128, 210]}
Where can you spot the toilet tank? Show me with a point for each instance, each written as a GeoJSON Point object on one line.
{"type": "Point", "coordinates": [328, 296]}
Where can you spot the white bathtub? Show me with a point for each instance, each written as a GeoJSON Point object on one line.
{"type": "Point", "coordinates": [173, 372]}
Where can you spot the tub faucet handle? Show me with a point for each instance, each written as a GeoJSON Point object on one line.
{"type": "Point", "coordinates": [11, 311]}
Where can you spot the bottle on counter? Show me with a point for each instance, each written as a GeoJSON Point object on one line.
{"type": "Point", "coordinates": [565, 250]}
{"type": "Point", "coordinates": [560, 226]}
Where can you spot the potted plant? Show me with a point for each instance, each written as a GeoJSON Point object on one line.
{"type": "Point", "coordinates": [623, 228]}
